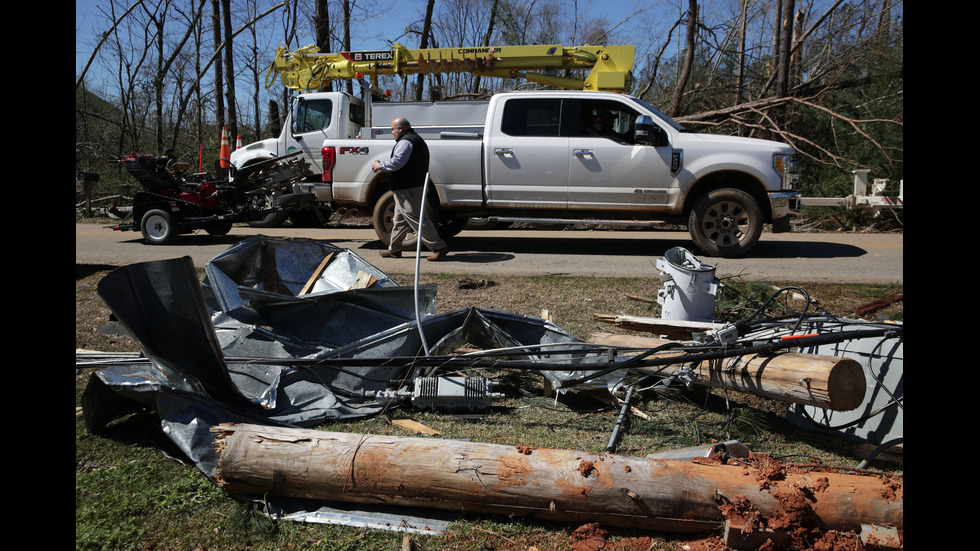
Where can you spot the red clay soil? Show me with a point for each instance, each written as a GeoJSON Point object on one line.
{"type": "Point", "coordinates": [525, 450]}
{"type": "Point", "coordinates": [793, 518]}
{"type": "Point", "coordinates": [593, 537]}
{"type": "Point", "coordinates": [589, 537]}
{"type": "Point", "coordinates": [586, 468]}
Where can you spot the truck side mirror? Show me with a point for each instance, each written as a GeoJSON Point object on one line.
{"type": "Point", "coordinates": [294, 122]}
{"type": "Point", "coordinates": [649, 133]}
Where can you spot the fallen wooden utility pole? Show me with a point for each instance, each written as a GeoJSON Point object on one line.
{"type": "Point", "coordinates": [558, 485]}
{"type": "Point", "coordinates": [827, 382]}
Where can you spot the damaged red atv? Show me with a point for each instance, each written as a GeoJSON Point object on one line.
{"type": "Point", "coordinates": [173, 202]}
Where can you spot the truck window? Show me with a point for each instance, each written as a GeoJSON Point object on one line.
{"type": "Point", "coordinates": [607, 119]}
{"type": "Point", "coordinates": [531, 117]}
{"type": "Point", "coordinates": [313, 115]}
{"type": "Point", "coordinates": [356, 114]}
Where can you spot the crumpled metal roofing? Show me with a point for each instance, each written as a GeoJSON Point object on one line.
{"type": "Point", "coordinates": [229, 350]}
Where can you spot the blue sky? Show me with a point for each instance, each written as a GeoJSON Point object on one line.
{"type": "Point", "coordinates": [87, 15]}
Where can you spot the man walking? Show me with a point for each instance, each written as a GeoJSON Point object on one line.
{"type": "Point", "coordinates": [407, 167]}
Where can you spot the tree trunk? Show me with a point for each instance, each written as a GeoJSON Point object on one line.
{"type": "Point", "coordinates": [198, 105]}
{"type": "Point", "coordinates": [256, 85]}
{"type": "Point", "coordinates": [551, 484]}
{"type": "Point", "coordinates": [158, 22]}
{"type": "Point", "coordinates": [740, 76]}
{"type": "Point", "coordinates": [322, 25]}
{"type": "Point", "coordinates": [423, 44]}
{"type": "Point", "coordinates": [347, 46]}
{"type": "Point", "coordinates": [692, 32]}
{"type": "Point", "coordinates": [230, 70]}
{"type": "Point", "coordinates": [796, 53]}
{"type": "Point", "coordinates": [787, 11]}
{"type": "Point", "coordinates": [486, 40]}
{"type": "Point", "coordinates": [219, 78]}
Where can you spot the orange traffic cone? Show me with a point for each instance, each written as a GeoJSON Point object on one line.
{"type": "Point", "coordinates": [225, 154]}
{"type": "Point", "coordinates": [238, 143]}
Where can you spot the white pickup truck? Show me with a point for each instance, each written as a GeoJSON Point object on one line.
{"type": "Point", "coordinates": [544, 156]}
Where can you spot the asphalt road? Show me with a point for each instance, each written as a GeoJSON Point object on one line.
{"type": "Point", "coordinates": [784, 258]}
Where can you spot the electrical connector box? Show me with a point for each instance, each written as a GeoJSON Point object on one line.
{"type": "Point", "coordinates": [452, 393]}
{"type": "Point", "coordinates": [726, 335]}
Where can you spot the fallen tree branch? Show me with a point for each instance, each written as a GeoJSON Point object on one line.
{"type": "Point", "coordinates": [872, 306]}
{"type": "Point", "coordinates": [758, 107]}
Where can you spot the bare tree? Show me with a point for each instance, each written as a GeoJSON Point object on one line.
{"type": "Point", "coordinates": [348, 7]}
{"type": "Point", "coordinates": [424, 43]}
{"type": "Point", "coordinates": [322, 27]}
{"type": "Point", "coordinates": [219, 79]}
{"type": "Point", "coordinates": [740, 63]}
{"type": "Point", "coordinates": [787, 11]}
{"type": "Point", "coordinates": [253, 69]}
{"type": "Point", "coordinates": [102, 40]}
{"type": "Point", "coordinates": [229, 50]}
{"type": "Point", "coordinates": [198, 104]}
{"type": "Point", "coordinates": [218, 54]}
{"type": "Point", "coordinates": [130, 63]}
{"type": "Point", "coordinates": [165, 62]}
{"type": "Point", "coordinates": [692, 34]}
{"type": "Point", "coordinates": [486, 39]}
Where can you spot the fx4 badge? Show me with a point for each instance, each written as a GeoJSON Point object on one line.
{"type": "Point", "coordinates": [354, 150]}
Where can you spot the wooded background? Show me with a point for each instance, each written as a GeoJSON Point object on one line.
{"type": "Point", "coordinates": [825, 76]}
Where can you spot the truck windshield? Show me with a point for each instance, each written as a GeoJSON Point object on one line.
{"type": "Point", "coordinates": [674, 124]}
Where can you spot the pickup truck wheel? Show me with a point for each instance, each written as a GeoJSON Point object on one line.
{"type": "Point", "coordinates": [726, 222]}
{"type": "Point", "coordinates": [381, 218]}
{"type": "Point", "coordinates": [384, 214]}
{"type": "Point", "coordinates": [450, 226]}
{"type": "Point", "coordinates": [157, 227]}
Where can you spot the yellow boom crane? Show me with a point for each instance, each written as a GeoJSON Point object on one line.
{"type": "Point", "coordinates": [308, 69]}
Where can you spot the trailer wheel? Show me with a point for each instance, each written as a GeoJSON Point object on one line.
{"type": "Point", "coordinates": [218, 228]}
{"type": "Point", "coordinates": [157, 227]}
{"type": "Point", "coordinates": [725, 222]}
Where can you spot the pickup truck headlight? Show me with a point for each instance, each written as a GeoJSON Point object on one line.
{"type": "Point", "coordinates": [787, 168]}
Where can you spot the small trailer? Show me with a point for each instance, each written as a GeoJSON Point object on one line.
{"type": "Point", "coordinates": [173, 202]}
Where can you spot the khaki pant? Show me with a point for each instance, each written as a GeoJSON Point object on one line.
{"type": "Point", "coordinates": [406, 220]}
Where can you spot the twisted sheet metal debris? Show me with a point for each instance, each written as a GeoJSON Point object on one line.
{"type": "Point", "coordinates": [248, 345]}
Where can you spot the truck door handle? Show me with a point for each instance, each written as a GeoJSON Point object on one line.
{"type": "Point", "coordinates": [582, 152]}
{"type": "Point", "coordinates": [502, 151]}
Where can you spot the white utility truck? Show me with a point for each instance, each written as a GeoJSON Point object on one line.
{"type": "Point", "coordinates": [557, 156]}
